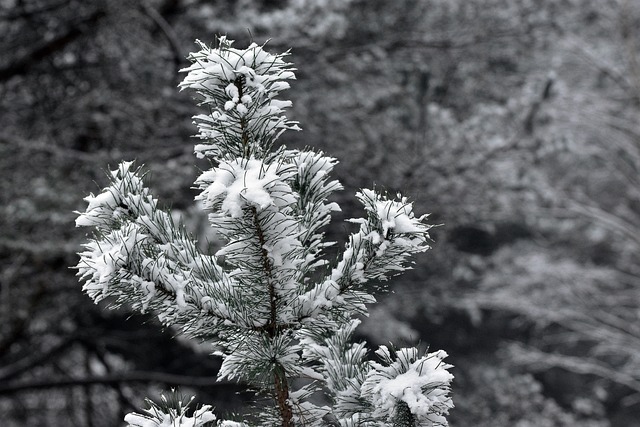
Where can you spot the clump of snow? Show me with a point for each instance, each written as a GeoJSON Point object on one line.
{"type": "Point", "coordinates": [106, 206]}
{"type": "Point", "coordinates": [245, 182]}
{"type": "Point", "coordinates": [101, 262]}
{"type": "Point", "coordinates": [394, 215]}
{"type": "Point", "coordinates": [229, 423]}
{"type": "Point", "coordinates": [213, 66]}
{"type": "Point", "coordinates": [157, 416]}
{"type": "Point", "coordinates": [423, 383]}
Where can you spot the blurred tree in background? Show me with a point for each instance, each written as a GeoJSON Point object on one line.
{"type": "Point", "coordinates": [517, 121]}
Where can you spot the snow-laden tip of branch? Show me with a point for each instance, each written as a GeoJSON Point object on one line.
{"type": "Point", "coordinates": [223, 64]}
{"type": "Point", "coordinates": [388, 236]}
{"type": "Point", "coordinates": [239, 86]}
{"type": "Point", "coordinates": [168, 415]}
{"type": "Point", "coordinates": [106, 208]}
{"type": "Point", "coordinates": [421, 384]}
{"type": "Point", "coordinates": [392, 216]}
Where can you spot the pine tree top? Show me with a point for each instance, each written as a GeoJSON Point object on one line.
{"type": "Point", "coordinates": [276, 310]}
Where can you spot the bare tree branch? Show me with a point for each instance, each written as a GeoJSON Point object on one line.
{"type": "Point", "coordinates": [46, 48]}
{"type": "Point", "coordinates": [8, 372]}
{"type": "Point", "coordinates": [210, 383]}
{"type": "Point", "coordinates": [607, 219]}
{"type": "Point", "coordinates": [542, 361]}
{"type": "Point", "coordinates": [167, 30]}
{"type": "Point", "coordinates": [100, 156]}
{"type": "Point", "coordinates": [25, 12]}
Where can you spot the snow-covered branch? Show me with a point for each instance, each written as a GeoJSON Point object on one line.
{"type": "Point", "coordinates": [172, 411]}
{"type": "Point", "coordinates": [140, 256]}
{"type": "Point", "coordinates": [239, 86]}
{"type": "Point", "coordinates": [257, 298]}
{"type": "Point", "coordinates": [387, 237]}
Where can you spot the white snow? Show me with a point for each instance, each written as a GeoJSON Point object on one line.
{"type": "Point", "coordinates": [232, 91]}
{"type": "Point", "coordinates": [421, 382]}
{"type": "Point", "coordinates": [245, 182]}
{"type": "Point", "coordinates": [228, 423]}
{"type": "Point", "coordinates": [242, 109]}
{"type": "Point", "coordinates": [230, 82]}
{"type": "Point", "coordinates": [395, 215]}
{"type": "Point", "coordinates": [157, 418]}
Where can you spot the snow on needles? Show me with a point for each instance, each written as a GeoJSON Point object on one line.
{"type": "Point", "coordinates": [394, 215]}
{"type": "Point", "coordinates": [166, 415]}
{"type": "Point", "coordinates": [235, 185]}
{"type": "Point", "coordinates": [240, 87]}
{"type": "Point", "coordinates": [266, 298]}
{"type": "Point", "coordinates": [422, 383]}
{"type": "Point", "coordinates": [106, 207]}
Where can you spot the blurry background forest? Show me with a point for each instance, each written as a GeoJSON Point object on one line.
{"type": "Point", "coordinates": [516, 122]}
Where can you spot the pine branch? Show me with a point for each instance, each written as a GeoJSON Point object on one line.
{"type": "Point", "coordinates": [387, 238]}
{"type": "Point", "coordinates": [140, 255]}
{"type": "Point", "coordinates": [269, 321]}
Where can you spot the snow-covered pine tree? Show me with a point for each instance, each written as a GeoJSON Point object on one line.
{"type": "Point", "coordinates": [280, 315]}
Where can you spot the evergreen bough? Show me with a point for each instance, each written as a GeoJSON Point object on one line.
{"type": "Point", "coordinates": [279, 314]}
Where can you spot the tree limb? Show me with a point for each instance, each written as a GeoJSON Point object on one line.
{"type": "Point", "coordinates": [167, 30]}
{"type": "Point", "coordinates": [8, 372]}
{"type": "Point", "coordinates": [46, 48]}
{"type": "Point", "coordinates": [24, 13]}
{"type": "Point", "coordinates": [541, 361]}
{"type": "Point", "coordinates": [126, 377]}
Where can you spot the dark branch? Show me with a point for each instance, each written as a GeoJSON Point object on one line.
{"type": "Point", "coordinates": [26, 13]}
{"type": "Point", "coordinates": [23, 365]}
{"type": "Point", "coordinates": [128, 377]}
{"type": "Point", "coordinates": [167, 30]}
{"type": "Point", "coordinates": [48, 47]}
